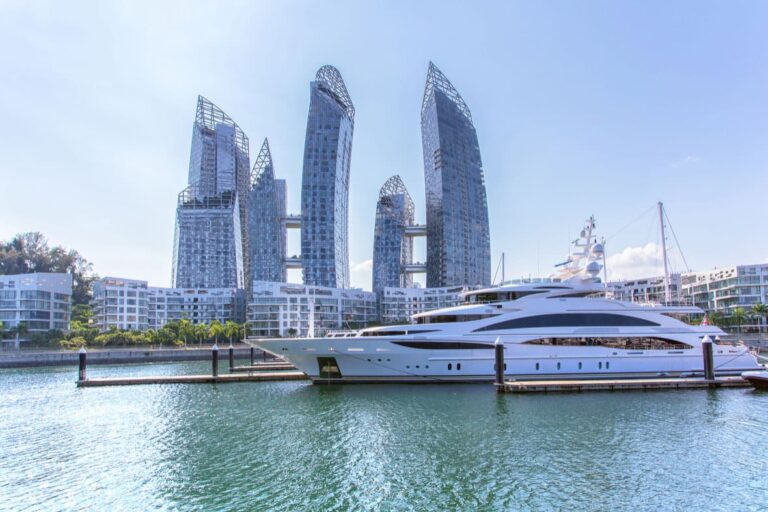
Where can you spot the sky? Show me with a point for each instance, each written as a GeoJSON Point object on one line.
{"type": "Point", "coordinates": [581, 108]}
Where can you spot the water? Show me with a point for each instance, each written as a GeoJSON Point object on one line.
{"type": "Point", "coordinates": [293, 446]}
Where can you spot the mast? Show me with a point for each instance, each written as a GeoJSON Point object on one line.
{"type": "Point", "coordinates": [667, 297]}
{"type": "Point", "coordinates": [502, 268]}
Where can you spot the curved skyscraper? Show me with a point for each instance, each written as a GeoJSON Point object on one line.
{"type": "Point", "coordinates": [325, 181]}
{"type": "Point", "coordinates": [266, 214]}
{"type": "Point", "coordinates": [392, 250]}
{"type": "Point", "coordinates": [458, 238]}
{"type": "Point", "coordinates": [211, 238]}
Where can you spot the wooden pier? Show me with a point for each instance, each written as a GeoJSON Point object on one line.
{"type": "Point", "coordinates": [575, 386]}
{"type": "Point", "coordinates": [193, 379]}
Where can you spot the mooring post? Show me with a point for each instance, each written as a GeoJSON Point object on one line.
{"type": "Point", "coordinates": [499, 348]}
{"type": "Point", "coordinates": [82, 356]}
{"type": "Point", "coordinates": [231, 357]}
{"type": "Point", "coordinates": [252, 352]}
{"type": "Point", "coordinates": [709, 363]}
{"type": "Point", "coordinates": [215, 360]}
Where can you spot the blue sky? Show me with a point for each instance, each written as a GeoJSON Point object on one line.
{"type": "Point", "coordinates": [581, 108]}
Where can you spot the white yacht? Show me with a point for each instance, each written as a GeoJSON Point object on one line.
{"type": "Point", "coordinates": [563, 329]}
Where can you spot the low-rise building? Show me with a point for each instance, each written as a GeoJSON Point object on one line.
{"type": "Point", "coordinates": [42, 301]}
{"type": "Point", "coordinates": [398, 305]}
{"type": "Point", "coordinates": [648, 289]}
{"type": "Point", "coordinates": [131, 304]}
{"type": "Point", "coordinates": [726, 289]}
{"type": "Point", "coordinates": [282, 309]}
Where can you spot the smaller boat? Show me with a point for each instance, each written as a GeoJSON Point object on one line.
{"type": "Point", "coordinates": [758, 379]}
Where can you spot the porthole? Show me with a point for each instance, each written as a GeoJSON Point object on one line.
{"type": "Point", "coordinates": [417, 366]}
{"type": "Point", "coordinates": [458, 366]}
{"type": "Point", "coordinates": [537, 366]}
{"type": "Point", "coordinates": [426, 366]}
{"type": "Point", "coordinates": [389, 360]}
{"type": "Point", "coordinates": [450, 366]}
{"type": "Point", "coordinates": [407, 366]}
{"type": "Point", "coordinates": [607, 364]}
{"type": "Point", "coordinates": [369, 360]}
{"type": "Point", "coordinates": [579, 365]}
{"type": "Point", "coordinates": [600, 365]}
{"type": "Point", "coordinates": [505, 366]}
{"type": "Point", "coordinates": [379, 360]}
{"type": "Point", "coordinates": [558, 366]}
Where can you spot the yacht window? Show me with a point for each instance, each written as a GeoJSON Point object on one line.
{"type": "Point", "coordinates": [537, 366]}
{"type": "Point", "coordinates": [558, 366]}
{"type": "Point", "coordinates": [576, 295]}
{"type": "Point", "coordinates": [447, 319]}
{"type": "Point", "coordinates": [458, 366]}
{"type": "Point", "coordinates": [607, 364]}
{"type": "Point", "coordinates": [619, 342]}
{"type": "Point", "coordinates": [579, 365]}
{"type": "Point", "coordinates": [395, 333]}
{"type": "Point", "coordinates": [490, 297]}
{"type": "Point", "coordinates": [444, 345]}
{"type": "Point", "coordinates": [570, 320]}
{"type": "Point", "coordinates": [600, 365]}
{"type": "Point", "coordinates": [450, 366]}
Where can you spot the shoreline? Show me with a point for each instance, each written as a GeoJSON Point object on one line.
{"type": "Point", "coordinates": [43, 358]}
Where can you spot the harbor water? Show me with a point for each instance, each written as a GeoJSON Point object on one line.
{"type": "Point", "coordinates": [294, 446]}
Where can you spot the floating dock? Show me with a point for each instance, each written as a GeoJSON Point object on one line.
{"type": "Point", "coordinates": [192, 379]}
{"type": "Point", "coordinates": [575, 386]}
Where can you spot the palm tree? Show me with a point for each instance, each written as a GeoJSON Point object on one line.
{"type": "Point", "coordinates": [760, 310]}
{"type": "Point", "coordinates": [715, 318]}
{"type": "Point", "coordinates": [21, 330]}
{"type": "Point", "coordinates": [186, 330]}
{"type": "Point", "coordinates": [739, 315]}
{"type": "Point", "coordinates": [231, 329]}
{"type": "Point", "coordinates": [201, 332]}
{"type": "Point", "coordinates": [216, 330]}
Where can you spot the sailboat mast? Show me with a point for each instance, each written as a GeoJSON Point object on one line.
{"type": "Point", "coordinates": [664, 253]}
{"type": "Point", "coordinates": [502, 268]}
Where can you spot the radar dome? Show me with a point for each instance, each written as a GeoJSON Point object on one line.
{"type": "Point", "coordinates": [593, 268]}
{"type": "Point", "coordinates": [598, 249]}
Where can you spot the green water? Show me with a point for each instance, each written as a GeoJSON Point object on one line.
{"type": "Point", "coordinates": [294, 446]}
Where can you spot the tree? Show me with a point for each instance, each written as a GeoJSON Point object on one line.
{"type": "Point", "coordinates": [2, 331]}
{"type": "Point", "coordinates": [21, 330]}
{"type": "Point", "coordinates": [186, 330]}
{"type": "Point", "coordinates": [201, 332]}
{"type": "Point", "coordinates": [82, 313]}
{"type": "Point", "coordinates": [759, 311]}
{"type": "Point", "coordinates": [27, 253]}
{"type": "Point", "coordinates": [739, 315]}
{"type": "Point", "coordinates": [231, 329]}
{"type": "Point", "coordinates": [715, 318]}
{"type": "Point", "coordinates": [216, 330]}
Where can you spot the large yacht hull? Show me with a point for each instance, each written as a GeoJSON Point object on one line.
{"type": "Point", "coordinates": [364, 360]}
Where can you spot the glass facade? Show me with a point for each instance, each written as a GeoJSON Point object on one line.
{"type": "Point", "coordinates": [41, 301]}
{"type": "Point", "coordinates": [392, 250]}
{"type": "Point", "coordinates": [325, 181]}
{"type": "Point", "coordinates": [211, 237]}
{"type": "Point", "coordinates": [458, 237]}
{"type": "Point", "coordinates": [266, 214]}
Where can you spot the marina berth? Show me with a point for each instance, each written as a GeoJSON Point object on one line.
{"type": "Point", "coordinates": [566, 329]}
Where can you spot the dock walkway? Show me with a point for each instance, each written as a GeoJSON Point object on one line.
{"type": "Point", "coordinates": [264, 367]}
{"type": "Point", "coordinates": [192, 379]}
{"type": "Point", "coordinates": [561, 386]}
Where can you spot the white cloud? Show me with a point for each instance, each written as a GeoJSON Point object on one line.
{"type": "Point", "coordinates": [363, 266]}
{"type": "Point", "coordinates": [689, 160]}
{"type": "Point", "coordinates": [635, 262]}
{"type": "Point", "coordinates": [361, 274]}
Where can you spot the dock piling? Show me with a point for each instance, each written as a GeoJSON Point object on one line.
{"type": "Point", "coordinates": [499, 350]}
{"type": "Point", "coordinates": [215, 360]}
{"type": "Point", "coordinates": [252, 351]}
{"type": "Point", "coordinates": [709, 363]}
{"type": "Point", "coordinates": [231, 357]}
{"type": "Point", "coordinates": [82, 356]}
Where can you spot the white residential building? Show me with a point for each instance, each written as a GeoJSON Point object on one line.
{"type": "Point", "coordinates": [131, 304]}
{"type": "Point", "coordinates": [282, 309]}
{"type": "Point", "coordinates": [398, 305]}
{"type": "Point", "coordinates": [647, 289]}
{"type": "Point", "coordinates": [726, 289]}
{"type": "Point", "coordinates": [42, 301]}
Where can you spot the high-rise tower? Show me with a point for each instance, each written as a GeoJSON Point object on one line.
{"type": "Point", "coordinates": [211, 239]}
{"type": "Point", "coordinates": [458, 238]}
{"type": "Point", "coordinates": [266, 214]}
{"type": "Point", "coordinates": [392, 249]}
{"type": "Point", "coordinates": [325, 181]}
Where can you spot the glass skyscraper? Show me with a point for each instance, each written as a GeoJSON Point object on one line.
{"type": "Point", "coordinates": [392, 250]}
{"type": "Point", "coordinates": [266, 214]}
{"type": "Point", "coordinates": [211, 239]}
{"type": "Point", "coordinates": [458, 238]}
{"type": "Point", "coordinates": [325, 181]}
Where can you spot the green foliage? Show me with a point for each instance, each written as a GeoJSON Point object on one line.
{"type": "Point", "coordinates": [73, 343]}
{"type": "Point", "coordinates": [216, 330]}
{"type": "Point", "coordinates": [82, 313]}
{"type": "Point", "coordinates": [231, 329]}
{"type": "Point", "coordinates": [27, 253]}
{"type": "Point", "coordinates": [117, 338]}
